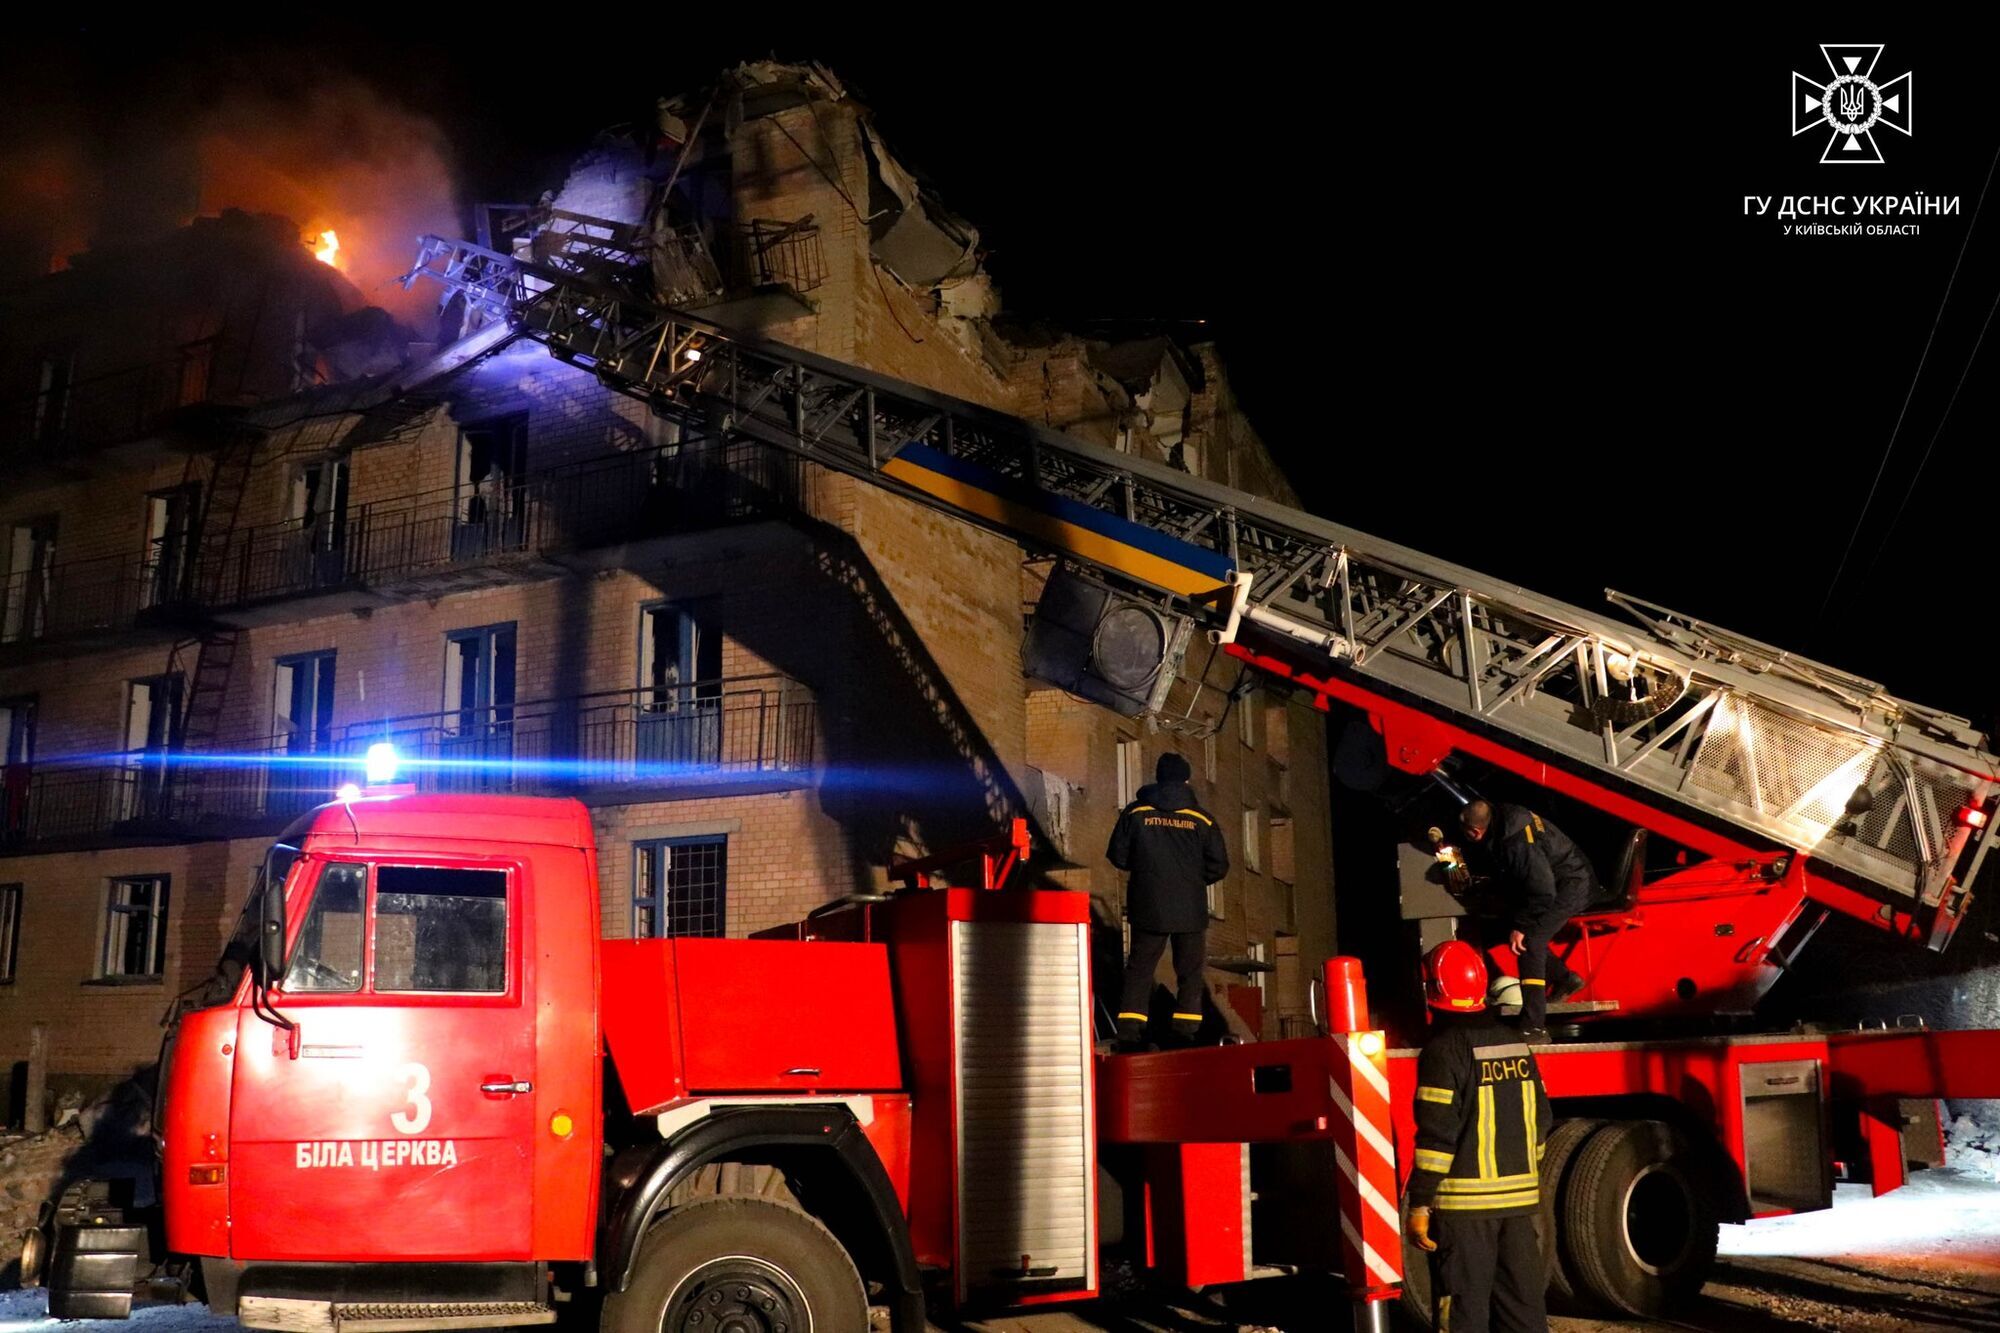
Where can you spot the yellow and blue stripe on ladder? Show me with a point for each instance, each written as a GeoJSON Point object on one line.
{"type": "Point", "coordinates": [1061, 524]}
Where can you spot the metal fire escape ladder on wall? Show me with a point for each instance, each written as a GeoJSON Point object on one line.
{"type": "Point", "coordinates": [214, 646]}
{"type": "Point", "coordinates": [1773, 748]}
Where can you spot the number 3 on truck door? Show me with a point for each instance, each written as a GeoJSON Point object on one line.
{"type": "Point", "coordinates": [418, 1117]}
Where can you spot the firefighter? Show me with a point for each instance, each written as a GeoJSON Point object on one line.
{"type": "Point", "coordinates": [1482, 1123]}
{"type": "Point", "coordinates": [1551, 881]}
{"type": "Point", "coordinates": [1174, 850]}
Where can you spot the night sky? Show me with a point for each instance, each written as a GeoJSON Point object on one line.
{"type": "Point", "coordinates": [1487, 292]}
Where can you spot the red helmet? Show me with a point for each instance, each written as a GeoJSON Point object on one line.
{"type": "Point", "coordinates": [1455, 978]}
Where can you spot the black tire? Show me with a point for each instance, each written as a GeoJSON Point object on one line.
{"type": "Point", "coordinates": [728, 1256]}
{"type": "Point", "coordinates": [1564, 1141]}
{"type": "Point", "coordinates": [1638, 1218]}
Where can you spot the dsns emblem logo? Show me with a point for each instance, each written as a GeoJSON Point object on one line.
{"type": "Point", "coordinates": [1852, 105]}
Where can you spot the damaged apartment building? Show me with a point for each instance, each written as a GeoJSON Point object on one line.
{"type": "Point", "coordinates": [250, 528]}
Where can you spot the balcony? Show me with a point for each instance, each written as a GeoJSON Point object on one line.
{"type": "Point", "coordinates": [766, 253]}
{"type": "Point", "coordinates": [414, 545]}
{"type": "Point", "coordinates": [74, 600]}
{"type": "Point", "coordinates": [747, 274]}
{"type": "Point", "coordinates": [419, 543]}
{"type": "Point", "coordinates": [69, 416]}
{"type": "Point", "coordinates": [724, 737]}
{"type": "Point", "coordinates": [611, 748]}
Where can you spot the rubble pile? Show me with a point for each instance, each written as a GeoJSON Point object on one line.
{"type": "Point", "coordinates": [1972, 1144]}
{"type": "Point", "coordinates": [31, 1168]}
{"type": "Point", "coordinates": [105, 1136]}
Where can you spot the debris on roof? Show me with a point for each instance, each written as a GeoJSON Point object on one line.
{"type": "Point", "coordinates": [910, 232]}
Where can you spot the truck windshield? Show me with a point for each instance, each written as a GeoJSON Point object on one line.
{"type": "Point", "coordinates": [241, 950]}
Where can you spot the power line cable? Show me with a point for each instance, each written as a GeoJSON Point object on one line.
{"type": "Point", "coordinates": [1847, 551]}
{"type": "Point", "coordinates": [1916, 476]}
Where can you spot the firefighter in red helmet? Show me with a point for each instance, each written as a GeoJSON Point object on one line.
{"type": "Point", "coordinates": [1482, 1122]}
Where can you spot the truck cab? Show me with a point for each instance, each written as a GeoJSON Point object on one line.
{"type": "Point", "coordinates": [390, 1093]}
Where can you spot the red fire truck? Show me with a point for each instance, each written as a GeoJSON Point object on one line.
{"type": "Point", "coordinates": [433, 1098]}
{"type": "Point", "coordinates": [423, 1093]}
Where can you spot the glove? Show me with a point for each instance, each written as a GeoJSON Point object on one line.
{"type": "Point", "coordinates": [1420, 1229]}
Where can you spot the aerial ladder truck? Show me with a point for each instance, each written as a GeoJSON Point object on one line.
{"type": "Point", "coordinates": [543, 1121]}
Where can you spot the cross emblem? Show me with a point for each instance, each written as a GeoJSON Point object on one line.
{"type": "Point", "coordinates": [1850, 104]}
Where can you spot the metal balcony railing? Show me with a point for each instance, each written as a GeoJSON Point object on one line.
{"type": "Point", "coordinates": [709, 734]}
{"type": "Point", "coordinates": [690, 269]}
{"type": "Point", "coordinates": [762, 252]}
{"type": "Point", "coordinates": [61, 804]}
{"type": "Point", "coordinates": [703, 732]}
{"type": "Point", "coordinates": [106, 406]}
{"type": "Point", "coordinates": [408, 538]}
{"type": "Point", "coordinates": [166, 793]}
{"type": "Point", "coordinates": [77, 597]}
{"type": "Point", "coordinates": [600, 502]}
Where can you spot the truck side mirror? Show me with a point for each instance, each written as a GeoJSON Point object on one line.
{"type": "Point", "coordinates": [271, 935]}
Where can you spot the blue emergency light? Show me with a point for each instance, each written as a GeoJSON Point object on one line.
{"type": "Point", "coordinates": [380, 763]}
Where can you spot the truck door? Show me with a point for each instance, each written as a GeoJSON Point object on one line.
{"type": "Point", "coordinates": [394, 1123]}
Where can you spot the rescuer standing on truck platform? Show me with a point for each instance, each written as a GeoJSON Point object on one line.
{"type": "Point", "coordinates": [1482, 1122]}
{"type": "Point", "coordinates": [1174, 851]}
{"type": "Point", "coordinates": [1552, 881]}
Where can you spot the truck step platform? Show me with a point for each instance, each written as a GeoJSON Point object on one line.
{"type": "Point", "coordinates": [1583, 1007]}
{"type": "Point", "coordinates": [286, 1315]}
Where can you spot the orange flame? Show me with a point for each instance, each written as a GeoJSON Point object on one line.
{"type": "Point", "coordinates": [328, 250]}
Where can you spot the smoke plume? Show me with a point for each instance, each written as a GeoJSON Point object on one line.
{"type": "Point", "coordinates": [340, 157]}
{"type": "Point", "coordinates": [331, 153]}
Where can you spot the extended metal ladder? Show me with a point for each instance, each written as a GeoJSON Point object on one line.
{"type": "Point", "coordinates": [1894, 797]}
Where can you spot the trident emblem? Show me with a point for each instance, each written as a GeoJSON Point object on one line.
{"type": "Point", "coordinates": [1853, 103]}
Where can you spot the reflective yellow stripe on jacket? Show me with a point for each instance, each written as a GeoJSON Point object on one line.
{"type": "Point", "coordinates": [1456, 1194]}
{"type": "Point", "coordinates": [1489, 1160]}
{"type": "Point", "coordinates": [1462, 1203]}
{"type": "Point", "coordinates": [1497, 1185]}
{"type": "Point", "coordinates": [1431, 1160]}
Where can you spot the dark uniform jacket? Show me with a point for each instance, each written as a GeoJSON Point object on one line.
{"type": "Point", "coordinates": [1538, 860]}
{"type": "Point", "coordinates": [1174, 851]}
{"type": "Point", "coordinates": [1482, 1120]}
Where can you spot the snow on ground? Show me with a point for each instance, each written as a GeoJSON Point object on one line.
{"type": "Point", "coordinates": [1940, 1220]}
{"type": "Point", "coordinates": [21, 1311]}
{"type": "Point", "coordinates": [1920, 1258]}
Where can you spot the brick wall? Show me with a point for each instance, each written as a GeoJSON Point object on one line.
{"type": "Point", "coordinates": [786, 856]}
{"type": "Point", "coordinates": [98, 1027]}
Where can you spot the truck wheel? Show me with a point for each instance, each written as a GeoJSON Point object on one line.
{"type": "Point", "coordinates": [1638, 1221]}
{"type": "Point", "coordinates": [745, 1265]}
{"type": "Point", "coordinates": [1564, 1140]}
